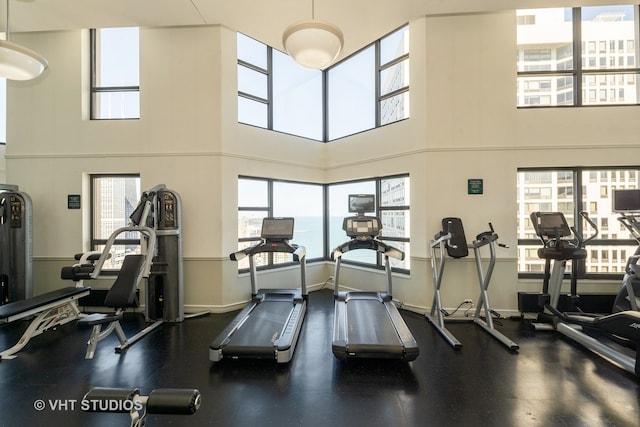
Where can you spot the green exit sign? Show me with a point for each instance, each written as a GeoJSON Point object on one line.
{"type": "Point", "coordinates": [474, 186]}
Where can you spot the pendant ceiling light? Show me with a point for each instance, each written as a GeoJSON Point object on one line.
{"type": "Point", "coordinates": [313, 44]}
{"type": "Point", "coordinates": [18, 62]}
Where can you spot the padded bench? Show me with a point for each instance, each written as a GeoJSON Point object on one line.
{"type": "Point", "coordinates": [51, 309]}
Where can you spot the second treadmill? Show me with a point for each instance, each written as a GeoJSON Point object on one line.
{"type": "Point", "coordinates": [269, 326]}
{"type": "Point", "coordinates": [368, 324]}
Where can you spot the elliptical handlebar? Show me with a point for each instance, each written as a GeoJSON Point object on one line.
{"type": "Point", "coordinates": [632, 224]}
{"type": "Point", "coordinates": [593, 225]}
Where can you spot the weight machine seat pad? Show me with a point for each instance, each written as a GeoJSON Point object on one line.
{"type": "Point", "coordinates": [98, 319]}
{"type": "Point", "coordinates": [17, 307]}
{"type": "Point", "coordinates": [92, 257]}
{"type": "Point", "coordinates": [173, 401]}
{"type": "Point", "coordinates": [77, 272]}
{"type": "Point", "coordinates": [123, 291]}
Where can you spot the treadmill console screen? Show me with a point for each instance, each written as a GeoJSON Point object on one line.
{"type": "Point", "coordinates": [551, 224]}
{"type": "Point", "coordinates": [277, 229]}
{"type": "Point", "coordinates": [362, 203]}
{"type": "Point", "coordinates": [626, 200]}
{"type": "Point", "coordinates": [362, 226]}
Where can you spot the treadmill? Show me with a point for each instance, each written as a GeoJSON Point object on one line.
{"type": "Point", "coordinates": [268, 327]}
{"type": "Point", "coordinates": [368, 324]}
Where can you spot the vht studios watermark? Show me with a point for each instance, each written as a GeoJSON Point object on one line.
{"type": "Point", "coordinates": [88, 405]}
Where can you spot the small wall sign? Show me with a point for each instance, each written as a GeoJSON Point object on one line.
{"type": "Point", "coordinates": [474, 186]}
{"type": "Point", "coordinates": [73, 201]}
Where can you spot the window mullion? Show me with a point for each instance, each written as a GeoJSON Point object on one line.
{"type": "Point", "coordinates": [378, 118]}
{"type": "Point", "coordinates": [270, 87]}
{"type": "Point", "coordinates": [325, 106]}
{"type": "Point", "coordinates": [577, 55]}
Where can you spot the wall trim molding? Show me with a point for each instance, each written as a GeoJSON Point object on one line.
{"type": "Point", "coordinates": [409, 153]}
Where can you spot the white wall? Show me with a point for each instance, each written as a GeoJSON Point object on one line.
{"type": "Point", "coordinates": [464, 124]}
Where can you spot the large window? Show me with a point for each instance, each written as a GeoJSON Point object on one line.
{"type": "Point", "coordinates": [276, 93]}
{"type": "Point", "coordinates": [370, 88]}
{"type": "Point", "coordinates": [352, 94]}
{"type": "Point", "coordinates": [366, 90]}
{"type": "Point", "coordinates": [113, 199]}
{"type": "Point", "coordinates": [259, 198]}
{"type": "Point", "coordinates": [318, 224]}
{"type": "Point", "coordinates": [115, 75]}
{"type": "Point", "coordinates": [571, 191]}
{"type": "Point", "coordinates": [392, 206]}
{"type": "Point", "coordinates": [578, 56]}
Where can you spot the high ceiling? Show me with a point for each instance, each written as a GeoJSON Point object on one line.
{"type": "Point", "coordinates": [362, 21]}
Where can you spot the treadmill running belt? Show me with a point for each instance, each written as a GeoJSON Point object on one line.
{"type": "Point", "coordinates": [262, 328]}
{"type": "Point", "coordinates": [369, 324]}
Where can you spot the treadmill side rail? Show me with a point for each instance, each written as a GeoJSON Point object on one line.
{"type": "Point", "coordinates": [285, 345]}
{"type": "Point", "coordinates": [215, 348]}
{"type": "Point", "coordinates": [339, 342]}
{"type": "Point", "coordinates": [396, 343]}
{"type": "Point", "coordinates": [408, 342]}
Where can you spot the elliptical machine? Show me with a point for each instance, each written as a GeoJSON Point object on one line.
{"type": "Point", "coordinates": [622, 328]}
{"type": "Point", "coordinates": [560, 243]}
{"type": "Point", "coordinates": [627, 204]}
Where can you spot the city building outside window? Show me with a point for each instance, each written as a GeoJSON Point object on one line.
{"type": "Point", "coordinates": [113, 200]}
{"type": "Point", "coordinates": [115, 73]}
{"type": "Point", "coordinates": [578, 56]}
{"type": "Point", "coordinates": [591, 191]}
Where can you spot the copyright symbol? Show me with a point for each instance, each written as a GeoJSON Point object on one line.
{"type": "Point", "coordinates": [39, 405]}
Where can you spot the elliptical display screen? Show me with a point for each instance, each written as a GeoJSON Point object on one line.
{"type": "Point", "coordinates": [277, 229]}
{"type": "Point", "coordinates": [626, 200]}
{"type": "Point", "coordinates": [552, 224]}
{"type": "Point", "coordinates": [362, 203]}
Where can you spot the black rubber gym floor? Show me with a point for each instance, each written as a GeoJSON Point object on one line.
{"type": "Point", "coordinates": [550, 382]}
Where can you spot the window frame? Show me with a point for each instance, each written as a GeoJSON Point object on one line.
{"type": "Point", "coordinates": [95, 90]}
{"type": "Point", "coordinates": [95, 242]}
{"type": "Point", "coordinates": [578, 200]}
{"type": "Point", "coordinates": [326, 250]}
{"type": "Point", "coordinates": [578, 72]}
{"type": "Point", "coordinates": [379, 265]}
{"type": "Point", "coordinates": [379, 97]}
{"type": "Point", "coordinates": [269, 210]}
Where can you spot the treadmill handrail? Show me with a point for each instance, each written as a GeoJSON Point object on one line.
{"type": "Point", "coordinates": [372, 244]}
{"type": "Point", "coordinates": [266, 246]}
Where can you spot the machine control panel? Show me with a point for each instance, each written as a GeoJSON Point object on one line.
{"type": "Point", "coordinates": [168, 211]}
{"type": "Point", "coordinates": [15, 211]}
